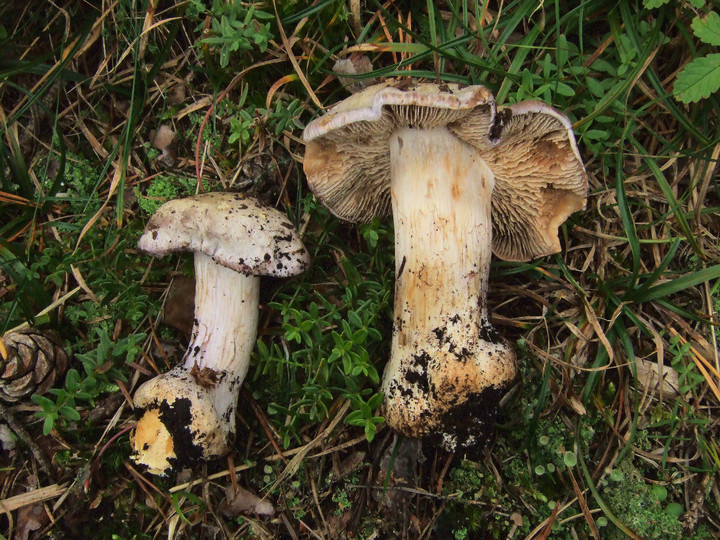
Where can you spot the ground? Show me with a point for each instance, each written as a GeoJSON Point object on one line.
{"type": "Point", "coordinates": [108, 110]}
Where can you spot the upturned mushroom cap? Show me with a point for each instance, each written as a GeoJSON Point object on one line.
{"type": "Point", "coordinates": [530, 147]}
{"type": "Point", "coordinates": [347, 156]}
{"type": "Point", "coordinates": [540, 180]}
{"type": "Point", "coordinates": [236, 231]}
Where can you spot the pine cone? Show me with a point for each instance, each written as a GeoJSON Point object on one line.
{"type": "Point", "coordinates": [29, 363]}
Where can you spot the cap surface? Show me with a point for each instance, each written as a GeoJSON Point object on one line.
{"type": "Point", "coordinates": [235, 230]}
{"type": "Point", "coordinates": [530, 147]}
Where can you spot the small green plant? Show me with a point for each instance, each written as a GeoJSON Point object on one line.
{"type": "Point", "coordinates": [365, 417]}
{"type": "Point", "coordinates": [468, 483]}
{"type": "Point", "coordinates": [242, 127]}
{"type": "Point", "coordinates": [100, 372]}
{"type": "Point", "coordinates": [162, 189]}
{"type": "Point", "coordinates": [293, 500]}
{"type": "Point", "coordinates": [461, 533]}
{"type": "Point", "coordinates": [331, 337]}
{"type": "Point", "coordinates": [701, 77]}
{"type": "Point", "coordinates": [269, 476]}
{"type": "Point", "coordinates": [688, 375]}
{"type": "Point", "coordinates": [285, 116]}
{"type": "Point", "coordinates": [342, 499]}
{"type": "Point", "coordinates": [73, 184]}
{"type": "Point", "coordinates": [64, 405]}
{"type": "Point", "coordinates": [236, 28]}
{"type": "Point", "coordinates": [185, 496]}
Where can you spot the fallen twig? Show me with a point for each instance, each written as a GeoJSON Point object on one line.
{"type": "Point", "coordinates": [32, 497]}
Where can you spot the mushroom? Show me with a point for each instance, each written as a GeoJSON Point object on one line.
{"type": "Point", "coordinates": [189, 411]}
{"type": "Point", "coordinates": [453, 168]}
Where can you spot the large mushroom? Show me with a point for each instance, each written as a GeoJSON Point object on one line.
{"type": "Point", "coordinates": [189, 411]}
{"type": "Point", "coordinates": [453, 169]}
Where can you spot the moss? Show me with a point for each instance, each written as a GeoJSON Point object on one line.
{"type": "Point", "coordinates": [161, 189]}
{"type": "Point", "coordinates": [637, 505]}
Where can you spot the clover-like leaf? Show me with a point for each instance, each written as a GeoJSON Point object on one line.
{"type": "Point", "coordinates": [698, 79]}
{"type": "Point", "coordinates": [652, 4]}
{"type": "Point", "coordinates": [707, 28]}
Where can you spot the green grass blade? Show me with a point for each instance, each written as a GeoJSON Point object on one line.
{"type": "Point", "coordinates": [678, 284]}
{"type": "Point", "coordinates": [677, 209]}
{"type": "Point", "coordinates": [632, 294]}
{"type": "Point", "coordinates": [520, 55]}
{"type": "Point", "coordinates": [627, 219]}
{"type": "Point", "coordinates": [596, 494]}
{"type": "Point", "coordinates": [615, 94]}
{"type": "Point", "coordinates": [54, 76]}
{"type": "Point", "coordinates": [628, 18]}
{"type": "Point", "coordinates": [600, 360]}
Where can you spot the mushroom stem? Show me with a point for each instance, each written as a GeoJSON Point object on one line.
{"type": "Point", "coordinates": [189, 411]}
{"type": "Point", "coordinates": [225, 328]}
{"type": "Point", "coordinates": [447, 366]}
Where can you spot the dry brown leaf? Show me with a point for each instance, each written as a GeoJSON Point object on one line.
{"type": "Point", "coordinates": [179, 310]}
{"type": "Point", "coordinates": [398, 468]}
{"type": "Point", "coordinates": [350, 463]}
{"type": "Point", "coordinates": [177, 95]}
{"type": "Point", "coordinates": [30, 518]}
{"type": "Point", "coordinates": [649, 377]}
{"type": "Point", "coordinates": [354, 65]}
{"type": "Point", "coordinates": [244, 502]}
{"type": "Point", "coordinates": [164, 140]}
{"type": "Point", "coordinates": [7, 439]}
{"type": "Point", "coordinates": [577, 405]}
{"type": "Point", "coordinates": [337, 525]}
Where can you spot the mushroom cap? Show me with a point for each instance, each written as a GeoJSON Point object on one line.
{"type": "Point", "coordinates": [539, 176]}
{"type": "Point", "coordinates": [235, 230]}
{"type": "Point", "coordinates": [540, 180]}
{"type": "Point", "coordinates": [347, 156]}
{"type": "Point", "coordinates": [180, 424]}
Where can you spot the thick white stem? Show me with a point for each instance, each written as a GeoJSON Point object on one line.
{"type": "Point", "coordinates": [444, 352]}
{"type": "Point", "coordinates": [189, 413]}
{"type": "Point", "coordinates": [225, 328]}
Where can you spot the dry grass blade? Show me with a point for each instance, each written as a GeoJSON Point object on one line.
{"type": "Point", "coordinates": [117, 177]}
{"type": "Point", "coordinates": [288, 50]}
{"type": "Point", "coordinates": [34, 496]}
{"type": "Point", "coordinates": [292, 467]}
{"type": "Point", "coordinates": [711, 374]}
{"type": "Point", "coordinates": [188, 485]}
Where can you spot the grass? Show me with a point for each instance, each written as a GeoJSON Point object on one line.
{"type": "Point", "coordinates": [585, 448]}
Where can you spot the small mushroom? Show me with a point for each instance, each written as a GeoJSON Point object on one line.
{"type": "Point", "coordinates": [189, 412]}
{"type": "Point", "coordinates": [452, 168]}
